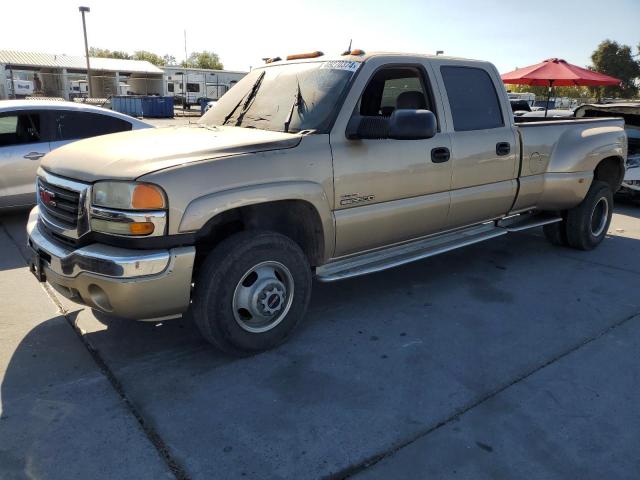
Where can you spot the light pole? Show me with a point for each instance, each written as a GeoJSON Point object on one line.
{"type": "Point", "coordinates": [86, 47]}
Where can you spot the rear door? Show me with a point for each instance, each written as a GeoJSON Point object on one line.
{"type": "Point", "coordinates": [72, 125]}
{"type": "Point", "coordinates": [24, 140]}
{"type": "Point", "coordinates": [484, 147]}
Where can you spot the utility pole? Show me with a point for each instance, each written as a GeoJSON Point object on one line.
{"type": "Point", "coordinates": [86, 47]}
{"type": "Point", "coordinates": [184, 75]}
{"type": "Point", "coordinates": [13, 84]}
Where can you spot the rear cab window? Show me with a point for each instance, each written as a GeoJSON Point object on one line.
{"type": "Point", "coordinates": [473, 98]}
{"type": "Point", "coordinates": [76, 125]}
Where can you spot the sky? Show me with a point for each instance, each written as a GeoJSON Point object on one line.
{"type": "Point", "coordinates": [510, 34]}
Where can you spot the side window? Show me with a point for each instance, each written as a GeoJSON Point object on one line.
{"type": "Point", "coordinates": [394, 88]}
{"type": "Point", "coordinates": [77, 125]}
{"type": "Point", "coordinates": [473, 98]}
{"type": "Point", "coordinates": [20, 128]}
{"type": "Point", "coordinates": [170, 87]}
{"type": "Point", "coordinates": [193, 87]}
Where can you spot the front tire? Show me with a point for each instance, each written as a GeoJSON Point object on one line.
{"type": "Point", "coordinates": [588, 223]}
{"type": "Point", "coordinates": [252, 291]}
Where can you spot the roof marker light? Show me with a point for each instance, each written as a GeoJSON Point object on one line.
{"type": "Point", "coordinates": [299, 56]}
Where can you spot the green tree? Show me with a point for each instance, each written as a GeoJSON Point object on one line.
{"type": "Point", "coordinates": [105, 53]}
{"type": "Point", "coordinates": [169, 60]}
{"type": "Point", "coordinates": [616, 60]}
{"type": "Point", "coordinates": [203, 59]}
{"type": "Point", "coordinates": [541, 92]}
{"type": "Point", "coordinates": [149, 57]}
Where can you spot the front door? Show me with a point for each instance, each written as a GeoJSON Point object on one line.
{"type": "Point", "coordinates": [387, 191]}
{"type": "Point", "coordinates": [23, 142]}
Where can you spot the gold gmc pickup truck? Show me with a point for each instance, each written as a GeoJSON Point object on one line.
{"type": "Point", "coordinates": [312, 167]}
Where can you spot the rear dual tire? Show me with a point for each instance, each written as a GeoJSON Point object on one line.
{"type": "Point", "coordinates": [585, 226]}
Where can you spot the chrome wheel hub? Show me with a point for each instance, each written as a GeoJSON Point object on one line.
{"type": "Point", "coordinates": [263, 297]}
{"type": "Point", "coordinates": [272, 301]}
{"type": "Point", "coordinates": [599, 216]}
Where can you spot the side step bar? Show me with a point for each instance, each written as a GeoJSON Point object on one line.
{"type": "Point", "coordinates": [402, 254]}
{"type": "Point", "coordinates": [517, 223]}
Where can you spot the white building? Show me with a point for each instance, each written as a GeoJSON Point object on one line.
{"type": "Point", "coordinates": [50, 75]}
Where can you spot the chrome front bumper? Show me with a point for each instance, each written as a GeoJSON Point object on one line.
{"type": "Point", "coordinates": [136, 284]}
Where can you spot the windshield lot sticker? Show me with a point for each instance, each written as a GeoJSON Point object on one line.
{"type": "Point", "coordinates": [342, 65]}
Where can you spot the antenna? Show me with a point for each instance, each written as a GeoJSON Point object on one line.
{"type": "Point", "coordinates": [348, 50]}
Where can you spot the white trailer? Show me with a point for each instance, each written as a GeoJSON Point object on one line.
{"type": "Point", "coordinates": [190, 85]}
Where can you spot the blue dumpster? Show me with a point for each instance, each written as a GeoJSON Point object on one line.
{"type": "Point", "coordinates": [143, 106]}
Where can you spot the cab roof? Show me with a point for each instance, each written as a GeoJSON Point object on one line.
{"type": "Point", "coordinates": [369, 55]}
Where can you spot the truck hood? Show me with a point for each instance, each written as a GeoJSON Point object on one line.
{"type": "Point", "coordinates": [129, 155]}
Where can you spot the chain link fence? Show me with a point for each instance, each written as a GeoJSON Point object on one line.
{"type": "Point", "coordinates": [74, 85]}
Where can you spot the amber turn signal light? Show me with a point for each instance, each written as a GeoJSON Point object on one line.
{"type": "Point", "coordinates": [141, 228]}
{"type": "Point", "coordinates": [147, 197]}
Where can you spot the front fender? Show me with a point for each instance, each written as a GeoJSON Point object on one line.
{"type": "Point", "coordinates": [204, 208]}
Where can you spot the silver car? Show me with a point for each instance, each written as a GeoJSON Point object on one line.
{"type": "Point", "coordinates": [29, 129]}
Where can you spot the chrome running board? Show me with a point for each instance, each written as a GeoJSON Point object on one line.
{"type": "Point", "coordinates": [518, 223]}
{"type": "Point", "coordinates": [396, 255]}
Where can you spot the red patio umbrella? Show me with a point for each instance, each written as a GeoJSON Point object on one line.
{"type": "Point", "coordinates": [557, 72]}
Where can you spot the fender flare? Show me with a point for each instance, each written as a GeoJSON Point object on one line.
{"type": "Point", "coordinates": [203, 209]}
{"type": "Point", "coordinates": [583, 150]}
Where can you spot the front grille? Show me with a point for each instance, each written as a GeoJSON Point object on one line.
{"type": "Point", "coordinates": [60, 204]}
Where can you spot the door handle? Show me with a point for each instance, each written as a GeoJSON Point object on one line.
{"type": "Point", "coordinates": [440, 155]}
{"type": "Point", "coordinates": [34, 156]}
{"type": "Point", "coordinates": [503, 148]}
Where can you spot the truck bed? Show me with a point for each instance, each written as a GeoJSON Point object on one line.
{"type": "Point", "coordinates": [557, 145]}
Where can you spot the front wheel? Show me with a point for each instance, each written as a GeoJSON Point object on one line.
{"type": "Point", "coordinates": [252, 291]}
{"type": "Point", "coordinates": [588, 223]}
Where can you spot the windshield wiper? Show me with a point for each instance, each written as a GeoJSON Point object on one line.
{"type": "Point", "coordinates": [249, 101]}
{"type": "Point", "coordinates": [298, 102]}
{"type": "Point", "coordinates": [246, 99]}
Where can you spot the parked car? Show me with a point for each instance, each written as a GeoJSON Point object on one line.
{"type": "Point", "coordinates": [519, 107]}
{"type": "Point", "coordinates": [630, 112]}
{"type": "Point", "coordinates": [210, 105]}
{"type": "Point", "coordinates": [29, 129]}
{"type": "Point", "coordinates": [326, 167]}
{"type": "Point", "coordinates": [551, 113]}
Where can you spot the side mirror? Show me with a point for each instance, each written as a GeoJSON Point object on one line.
{"type": "Point", "coordinates": [408, 124]}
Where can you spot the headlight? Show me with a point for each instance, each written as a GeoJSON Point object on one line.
{"type": "Point", "coordinates": [128, 208]}
{"type": "Point", "coordinates": [128, 196]}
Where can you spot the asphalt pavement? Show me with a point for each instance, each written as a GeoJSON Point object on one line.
{"type": "Point", "coordinates": [507, 359]}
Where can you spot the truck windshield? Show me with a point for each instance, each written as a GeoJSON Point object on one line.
{"type": "Point", "coordinates": [286, 98]}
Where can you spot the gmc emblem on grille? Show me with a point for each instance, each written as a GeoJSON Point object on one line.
{"type": "Point", "coordinates": [48, 197]}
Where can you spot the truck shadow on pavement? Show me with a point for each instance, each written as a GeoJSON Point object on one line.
{"type": "Point", "coordinates": [440, 334]}
{"type": "Point", "coordinates": [13, 225]}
